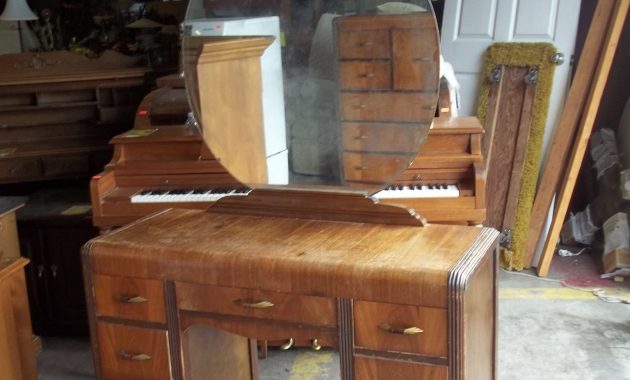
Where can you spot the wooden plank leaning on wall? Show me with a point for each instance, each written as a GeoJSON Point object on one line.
{"type": "Point", "coordinates": [587, 118]}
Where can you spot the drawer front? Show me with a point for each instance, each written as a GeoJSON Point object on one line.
{"type": "Point", "coordinates": [379, 326]}
{"type": "Point", "coordinates": [373, 167]}
{"type": "Point", "coordinates": [129, 298]}
{"type": "Point", "coordinates": [372, 368]}
{"type": "Point", "coordinates": [414, 66]}
{"type": "Point", "coordinates": [19, 168]}
{"type": "Point", "coordinates": [364, 43]}
{"type": "Point", "coordinates": [387, 106]}
{"type": "Point", "coordinates": [9, 246]}
{"type": "Point", "coordinates": [66, 165]}
{"type": "Point", "coordinates": [362, 75]}
{"type": "Point", "coordinates": [315, 311]}
{"type": "Point", "coordinates": [382, 137]}
{"type": "Point", "coordinates": [137, 353]}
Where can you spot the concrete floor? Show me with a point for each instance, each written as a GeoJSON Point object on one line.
{"type": "Point", "coordinates": [546, 332]}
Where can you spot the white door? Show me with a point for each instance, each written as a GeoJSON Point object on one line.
{"type": "Point", "coordinates": [470, 26]}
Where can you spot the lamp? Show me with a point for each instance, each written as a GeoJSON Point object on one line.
{"type": "Point", "coordinates": [17, 10]}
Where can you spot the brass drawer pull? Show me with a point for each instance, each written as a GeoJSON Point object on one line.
{"type": "Point", "coordinates": [367, 75]}
{"type": "Point", "coordinates": [315, 345]}
{"type": "Point", "coordinates": [254, 305]}
{"type": "Point", "coordinates": [360, 167]}
{"type": "Point", "coordinates": [365, 44]}
{"type": "Point", "coordinates": [124, 298]}
{"type": "Point", "coordinates": [360, 106]}
{"type": "Point", "coordinates": [288, 344]}
{"type": "Point", "coordinates": [361, 137]}
{"type": "Point", "coordinates": [134, 357]}
{"type": "Point", "coordinates": [399, 330]}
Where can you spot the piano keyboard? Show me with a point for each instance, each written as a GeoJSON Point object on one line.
{"type": "Point", "coordinates": [418, 191]}
{"type": "Point", "coordinates": [185, 195]}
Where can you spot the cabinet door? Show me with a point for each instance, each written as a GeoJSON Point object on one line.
{"type": "Point", "coordinates": [65, 279]}
{"type": "Point", "coordinates": [31, 243]}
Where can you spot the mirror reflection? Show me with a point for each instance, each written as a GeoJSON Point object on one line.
{"type": "Point", "coordinates": [325, 94]}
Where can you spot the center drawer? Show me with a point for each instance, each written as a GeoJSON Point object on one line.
{"type": "Point", "coordinates": [310, 310]}
{"type": "Point", "coordinates": [401, 328]}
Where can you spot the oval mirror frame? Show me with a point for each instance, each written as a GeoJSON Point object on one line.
{"type": "Point", "coordinates": [328, 95]}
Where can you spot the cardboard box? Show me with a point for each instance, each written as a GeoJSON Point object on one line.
{"type": "Point", "coordinates": [616, 242]}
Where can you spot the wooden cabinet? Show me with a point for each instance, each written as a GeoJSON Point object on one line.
{"type": "Point", "coordinates": [397, 302]}
{"type": "Point", "coordinates": [58, 111]}
{"type": "Point", "coordinates": [17, 346]}
{"type": "Point", "coordinates": [53, 226]}
{"type": "Point", "coordinates": [388, 85]}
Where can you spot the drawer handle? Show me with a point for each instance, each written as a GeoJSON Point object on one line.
{"type": "Point", "coordinates": [288, 344]}
{"type": "Point", "coordinates": [367, 75]}
{"type": "Point", "coordinates": [402, 331]}
{"type": "Point", "coordinates": [134, 357]}
{"type": "Point", "coordinates": [361, 137]}
{"type": "Point", "coordinates": [123, 298]}
{"type": "Point", "coordinates": [365, 44]}
{"type": "Point", "coordinates": [360, 167]}
{"type": "Point", "coordinates": [315, 345]}
{"type": "Point", "coordinates": [360, 106]}
{"type": "Point", "coordinates": [254, 305]}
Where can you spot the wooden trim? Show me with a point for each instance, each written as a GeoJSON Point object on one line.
{"type": "Point", "coordinates": [90, 306]}
{"type": "Point", "coordinates": [349, 207]}
{"type": "Point", "coordinates": [585, 127]}
{"type": "Point", "coordinates": [346, 338]}
{"type": "Point", "coordinates": [174, 333]}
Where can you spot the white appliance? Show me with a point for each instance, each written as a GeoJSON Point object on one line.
{"type": "Point", "coordinates": [274, 123]}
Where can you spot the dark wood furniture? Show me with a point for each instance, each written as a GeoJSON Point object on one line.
{"type": "Point", "coordinates": [53, 226]}
{"type": "Point", "coordinates": [59, 109]}
{"type": "Point", "coordinates": [185, 293]}
{"type": "Point", "coordinates": [17, 346]}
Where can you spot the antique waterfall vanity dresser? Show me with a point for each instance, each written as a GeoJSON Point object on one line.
{"type": "Point", "coordinates": [307, 255]}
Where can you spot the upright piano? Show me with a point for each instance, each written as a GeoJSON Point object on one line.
{"type": "Point", "coordinates": [163, 162]}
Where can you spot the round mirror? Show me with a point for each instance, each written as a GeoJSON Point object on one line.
{"type": "Point", "coordinates": [330, 94]}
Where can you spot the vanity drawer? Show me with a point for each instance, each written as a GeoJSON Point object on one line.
{"type": "Point", "coordinates": [65, 165]}
{"type": "Point", "coordinates": [19, 168]}
{"type": "Point", "coordinates": [372, 368]}
{"type": "Point", "coordinates": [382, 137]}
{"type": "Point", "coordinates": [364, 43]}
{"type": "Point", "coordinates": [379, 326]}
{"type": "Point", "coordinates": [127, 352]}
{"type": "Point", "coordinates": [129, 298]}
{"type": "Point", "coordinates": [310, 310]}
{"type": "Point", "coordinates": [386, 106]}
{"type": "Point", "coordinates": [365, 75]}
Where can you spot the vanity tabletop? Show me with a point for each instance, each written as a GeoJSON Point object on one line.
{"type": "Point", "coordinates": [376, 262]}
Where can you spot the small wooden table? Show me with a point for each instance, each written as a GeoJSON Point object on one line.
{"type": "Point", "coordinates": [17, 347]}
{"type": "Point", "coordinates": [186, 293]}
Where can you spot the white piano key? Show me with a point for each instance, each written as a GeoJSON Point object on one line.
{"type": "Point", "coordinates": [418, 191]}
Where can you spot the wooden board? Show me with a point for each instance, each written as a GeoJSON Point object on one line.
{"type": "Point", "coordinates": [563, 138]}
{"type": "Point", "coordinates": [504, 144]}
{"type": "Point", "coordinates": [585, 127]}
